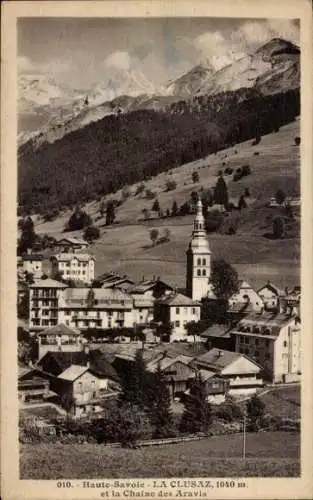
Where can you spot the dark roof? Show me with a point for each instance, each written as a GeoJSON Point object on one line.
{"type": "Point", "coordinates": [98, 361]}
{"type": "Point", "coordinates": [240, 307]}
{"type": "Point", "coordinates": [218, 359]}
{"type": "Point", "coordinates": [221, 331]}
{"type": "Point", "coordinates": [33, 256]}
{"type": "Point", "coordinates": [177, 299]}
{"type": "Point", "coordinates": [146, 285]}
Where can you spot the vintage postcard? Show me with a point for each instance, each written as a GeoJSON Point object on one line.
{"type": "Point", "coordinates": [156, 250]}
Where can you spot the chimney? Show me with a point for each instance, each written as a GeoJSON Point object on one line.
{"type": "Point", "coordinates": [86, 349]}
{"type": "Point", "coordinates": [220, 353]}
{"type": "Point", "coordinates": [29, 251]}
{"type": "Point", "coordinates": [143, 278]}
{"type": "Point", "coordinates": [88, 364]}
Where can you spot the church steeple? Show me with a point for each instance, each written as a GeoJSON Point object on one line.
{"type": "Point", "coordinates": [198, 259]}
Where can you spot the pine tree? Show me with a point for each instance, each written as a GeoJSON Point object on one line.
{"type": "Point", "coordinates": [174, 209]}
{"type": "Point", "coordinates": [156, 206]}
{"type": "Point", "coordinates": [110, 216]}
{"type": "Point", "coordinates": [224, 279]}
{"type": "Point", "coordinates": [197, 416]}
{"type": "Point", "coordinates": [220, 192]}
{"type": "Point", "coordinates": [28, 236]}
{"type": "Point", "coordinates": [135, 383]}
{"type": "Point", "coordinates": [161, 416]}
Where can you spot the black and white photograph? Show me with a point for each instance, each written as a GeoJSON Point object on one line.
{"type": "Point", "coordinates": [158, 310]}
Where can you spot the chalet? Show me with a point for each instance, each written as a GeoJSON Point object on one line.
{"type": "Point", "coordinates": [59, 334]}
{"type": "Point", "coordinates": [113, 280]}
{"type": "Point", "coordinates": [243, 373]}
{"type": "Point", "coordinates": [290, 302]}
{"type": "Point", "coordinates": [246, 295]}
{"type": "Point", "coordinates": [274, 341]}
{"type": "Point", "coordinates": [270, 295]}
{"type": "Point", "coordinates": [71, 244]}
{"type": "Point", "coordinates": [154, 288]}
{"type": "Point", "coordinates": [218, 336]}
{"type": "Point", "coordinates": [74, 266]}
{"type": "Point", "coordinates": [178, 310]}
{"type": "Point", "coordinates": [177, 370]}
{"type": "Point", "coordinates": [34, 386]}
{"type": "Point", "coordinates": [81, 389]}
{"type": "Point", "coordinates": [217, 387]}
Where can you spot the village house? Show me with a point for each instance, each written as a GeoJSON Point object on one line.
{"type": "Point", "coordinates": [59, 337]}
{"type": "Point", "coordinates": [73, 266]}
{"type": "Point", "coordinates": [32, 264]}
{"type": "Point", "coordinates": [71, 245]}
{"type": "Point", "coordinates": [243, 373]}
{"type": "Point", "coordinates": [113, 280]}
{"type": "Point", "coordinates": [270, 295]}
{"type": "Point", "coordinates": [274, 341]}
{"type": "Point", "coordinates": [246, 295]}
{"type": "Point", "coordinates": [177, 310]}
{"type": "Point", "coordinates": [290, 302]}
{"type": "Point", "coordinates": [33, 386]}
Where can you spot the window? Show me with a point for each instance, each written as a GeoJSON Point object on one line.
{"type": "Point", "coordinates": [199, 262]}
{"type": "Point", "coordinates": [246, 340]}
{"type": "Point", "coordinates": [204, 262]}
{"type": "Point", "coordinates": [267, 355]}
{"type": "Point", "coordinates": [241, 339]}
{"type": "Point", "coordinates": [199, 272]}
{"type": "Point", "coordinates": [193, 310]}
{"type": "Point", "coordinates": [267, 343]}
{"type": "Point", "coordinates": [45, 322]}
{"type": "Point", "coordinates": [177, 310]}
{"type": "Point", "coordinates": [256, 341]}
{"type": "Point", "coordinates": [203, 272]}
{"type": "Point", "coordinates": [285, 343]}
{"type": "Point", "coordinates": [185, 310]}
{"type": "Point", "coordinates": [177, 323]}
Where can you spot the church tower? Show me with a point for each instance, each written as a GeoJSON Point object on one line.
{"type": "Point", "coordinates": [198, 259]}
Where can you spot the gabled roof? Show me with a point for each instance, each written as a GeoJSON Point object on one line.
{"type": "Point", "coordinates": [145, 285]}
{"type": "Point", "coordinates": [221, 331]}
{"type": "Point", "coordinates": [33, 256]}
{"type": "Point", "coordinates": [110, 279]}
{"type": "Point", "coordinates": [60, 329]}
{"type": "Point", "coordinates": [240, 307]}
{"type": "Point", "coordinates": [66, 257]}
{"type": "Point", "coordinates": [72, 240]}
{"type": "Point", "coordinates": [166, 362]}
{"type": "Point", "coordinates": [47, 283]}
{"type": "Point", "coordinates": [177, 299]}
{"type": "Point", "coordinates": [219, 359]}
{"type": "Point", "coordinates": [73, 372]}
{"type": "Point", "coordinates": [99, 363]}
{"type": "Point", "coordinates": [271, 287]}
{"type": "Point", "coordinates": [267, 319]}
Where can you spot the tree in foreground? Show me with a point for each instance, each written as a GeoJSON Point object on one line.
{"type": "Point", "coordinates": [28, 236]}
{"type": "Point", "coordinates": [161, 416]}
{"type": "Point", "coordinates": [224, 279]}
{"type": "Point", "coordinates": [255, 412]}
{"type": "Point", "coordinates": [135, 383]}
{"type": "Point", "coordinates": [197, 416]}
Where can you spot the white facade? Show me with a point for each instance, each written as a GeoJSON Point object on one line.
{"type": "Point", "coordinates": [274, 343]}
{"type": "Point", "coordinates": [33, 264]}
{"type": "Point", "coordinates": [246, 294]}
{"type": "Point", "coordinates": [73, 266]}
{"type": "Point", "coordinates": [198, 259]}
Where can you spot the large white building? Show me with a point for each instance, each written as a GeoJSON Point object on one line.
{"type": "Point", "coordinates": [198, 259]}
{"type": "Point", "coordinates": [74, 266]}
{"type": "Point", "coordinates": [274, 341]}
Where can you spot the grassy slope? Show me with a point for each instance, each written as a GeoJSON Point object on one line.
{"type": "Point", "coordinates": [215, 457]}
{"type": "Point", "coordinates": [123, 248]}
{"type": "Point", "coordinates": [283, 401]}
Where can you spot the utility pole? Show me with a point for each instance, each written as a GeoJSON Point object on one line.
{"type": "Point", "coordinates": [244, 433]}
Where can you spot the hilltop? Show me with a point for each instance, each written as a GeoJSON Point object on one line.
{"type": "Point", "coordinates": [45, 106]}
{"type": "Point", "coordinates": [126, 248]}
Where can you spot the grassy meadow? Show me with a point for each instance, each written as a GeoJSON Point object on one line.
{"type": "Point", "coordinates": [126, 247]}
{"type": "Point", "coordinates": [268, 454]}
{"type": "Point", "coordinates": [284, 401]}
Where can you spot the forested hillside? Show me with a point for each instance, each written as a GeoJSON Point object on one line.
{"type": "Point", "coordinates": [127, 148]}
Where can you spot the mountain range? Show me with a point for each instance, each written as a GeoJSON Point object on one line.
{"type": "Point", "coordinates": [48, 110]}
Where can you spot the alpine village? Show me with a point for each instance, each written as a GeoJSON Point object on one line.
{"type": "Point", "coordinates": [159, 306]}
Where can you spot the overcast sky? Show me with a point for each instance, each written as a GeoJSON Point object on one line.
{"type": "Point", "coordinates": [82, 52]}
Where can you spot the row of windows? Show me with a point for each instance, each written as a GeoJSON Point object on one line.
{"type": "Point", "coordinates": [201, 274]}
{"type": "Point", "coordinates": [185, 310]}
{"type": "Point", "coordinates": [201, 262]}
{"type": "Point", "coordinates": [177, 323]}
{"type": "Point", "coordinates": [252, 340]}
{"type": "Point", "coordinates": [67, 264]}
